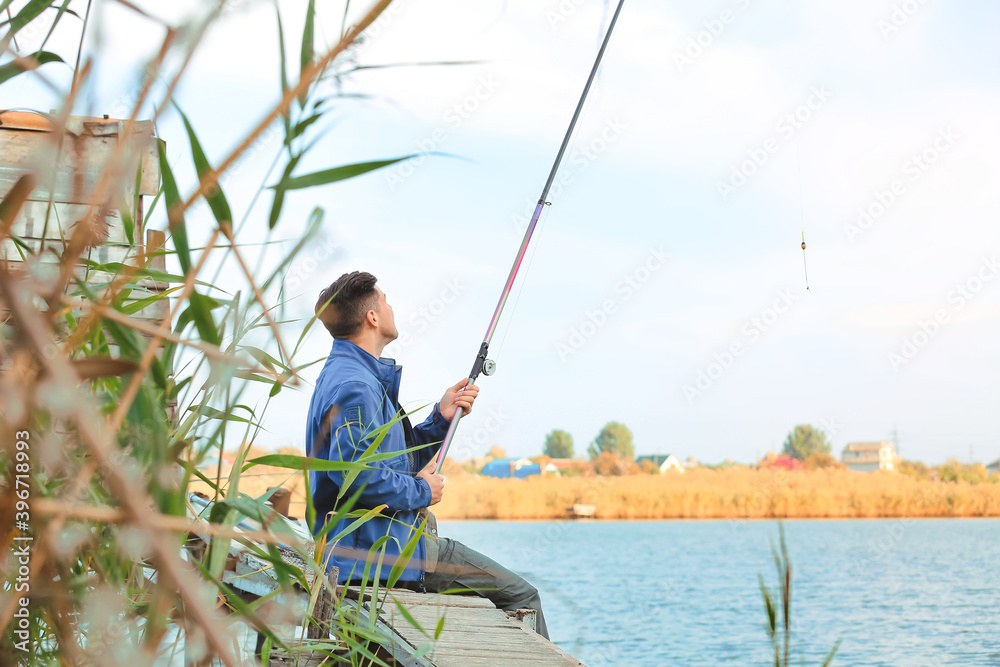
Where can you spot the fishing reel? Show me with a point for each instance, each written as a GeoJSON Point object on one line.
{"type": "Point", "coordinates": [483, 365]}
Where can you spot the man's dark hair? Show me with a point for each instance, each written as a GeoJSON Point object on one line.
{"type": "Point", "coordinates": [343, 305]}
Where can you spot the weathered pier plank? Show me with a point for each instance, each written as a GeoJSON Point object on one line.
{"type": "Point", "coordinates": [473, 633]}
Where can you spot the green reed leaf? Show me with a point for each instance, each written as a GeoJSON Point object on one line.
{"type": "Point", "coordinates": [327, 176]}
{"type": "Point", "coordinates": [214, 196]}
{"type": "Point", "coordinates": [10, 70]}
{"type": "Point", "coordinates": [279, 192]}
{"type": "Point", "coordinates": [308, 36]}
{"type": "Point", "coordinates": [302, 463]}
{"type": "Point", "coordinates": [28, 13]}
{"type": "Point", "coordinates": [200, 311]}
{"type": "Point", "coordinates": [175, 216]}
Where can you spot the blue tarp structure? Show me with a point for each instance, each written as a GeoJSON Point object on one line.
{"type": "Point", "coordinates": [524, 471]}
{"type": "Point", "coordinates": [502, 468]}
{"type": "Point", "coordinates": [498, 468]}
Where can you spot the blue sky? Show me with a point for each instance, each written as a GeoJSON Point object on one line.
{"type": "Point", "coordinates": [883, 340]}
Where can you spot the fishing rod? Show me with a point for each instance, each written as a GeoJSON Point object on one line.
{"type": "Point", "coordinates": [483, 364]}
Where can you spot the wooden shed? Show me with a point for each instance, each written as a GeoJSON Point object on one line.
{"type": "Point", "coordinates": [64, 171]}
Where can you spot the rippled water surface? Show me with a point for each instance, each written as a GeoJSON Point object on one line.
{"type": "Point", "coordinates": [895, 592]}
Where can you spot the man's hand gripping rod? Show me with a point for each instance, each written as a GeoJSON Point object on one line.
{"type": "Point", "coordinates": [482, 364]}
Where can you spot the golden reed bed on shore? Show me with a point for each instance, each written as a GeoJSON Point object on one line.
{"type": "Point", "coordinates": [718, 494]}
{"type": "Point", "coordinates": [696, 494]}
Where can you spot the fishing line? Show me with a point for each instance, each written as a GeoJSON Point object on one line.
{"type": "Point", "coordinates": [802, 215]}
{"type": "Point", "coordinates": [483, 364]}
{"type": "Point", "coordinates": [574, 141]}
{"type": "Point", "coordinates": [527, 270]}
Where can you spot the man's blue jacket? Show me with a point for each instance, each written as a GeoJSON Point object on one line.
{"type": "Point", "coordinates": [365, 392]}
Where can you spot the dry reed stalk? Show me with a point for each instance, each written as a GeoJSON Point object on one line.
{"type": "Point", "coordinates": [210, 351]}
{"type": "Point", "coordinates": [154, 344]}
{"type": "Point", "coordinates": [259, 298]}
{"type": "Point", "coordinates": [134, 500]}
{"type": "Point", "coordinates": [210, 179]}
{"type": "Point", "coordinates": [141, 12]}
{"type": "Point", "coordinates": [55, 508]}
{"type": "Point", "coordinates": [61, 600]}
{"type": "Point", "coordinates": [96, 434]}
{"type": "Point", "coordinates": [113, 172]}
{"type": "Point", "coordinates": [308, 75]}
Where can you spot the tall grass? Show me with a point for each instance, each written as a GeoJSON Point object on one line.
{"type": "Point", "coordinates": [107, 418]}
{"type": "Point", "coordinates": [778, 608]}
{"type": "Point", "coordinates": [719, 494]}
{"type": "Point", "coordinates": [732, 493]}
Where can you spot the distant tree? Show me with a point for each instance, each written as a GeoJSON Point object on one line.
{"type": "Point", "coordinates": [558, 445]}
{"type": "Point", "coordinates": [975, 473]}
{"type": "Point", "coordinates": [915, 469]}
{"type": "Point", "coordinates": [954, 471]}
{"type": "Point", "coordinates": [497, 452]}
{"type": "Point", "coordinates": [614, 438]}
{"type": "Point", "coordinates": [820, 461]}
{"type": "Point", "coordinates": [610, 464]}
{"type": "Point", "coordinates": [578, 468]}
{"type": "Point", "coordinates": [950, 471]}
{"type": "Point", "coordinates": [649, 467]}
{"type": "Point", "coordinates": [805, 441]}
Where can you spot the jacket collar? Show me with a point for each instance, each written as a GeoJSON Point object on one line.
{"type": "Point", "coordinates": [385, 370]}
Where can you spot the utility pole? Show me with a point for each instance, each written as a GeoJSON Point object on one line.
{"type": "Point", "coordinates": [895, 438]}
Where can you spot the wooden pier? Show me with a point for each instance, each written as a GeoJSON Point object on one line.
{"type": "Point", "coordinates": [456, 631]}
{"type": "Point", "coordinates": [413, 629]}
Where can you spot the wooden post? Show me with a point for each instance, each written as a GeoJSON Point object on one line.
{"type": "Point", "coordinates": [281, 501]}
{"type": "Point", "coordinates": [527, 616]}
{"type": "Point", "coordinates": [325, 605]}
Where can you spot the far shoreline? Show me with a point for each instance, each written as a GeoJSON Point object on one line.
{"type": "Point", "coordinates": [718, 495]}
{"type": "Point", "coordinates": [717, 519]}
{"type": "Point", "coordinates": [731, 494]}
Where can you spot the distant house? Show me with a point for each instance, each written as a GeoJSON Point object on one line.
{"type": "Point", "coordinates": [556, 466]}
{"type": "Point", "coordinates": [870, 456]}
{"type": "Point", "coordinates": [530, 469]}
{"type": "Point", "coordinates": [505, 468]}
{"type": "Point", "coordinates": [664, 462]}
{"type": "Point", "coordinates": [548, 466]}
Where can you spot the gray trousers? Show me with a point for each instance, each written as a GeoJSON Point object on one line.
{"type": "Point", "coordinates": [458, 566]}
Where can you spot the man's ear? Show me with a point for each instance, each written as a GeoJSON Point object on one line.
{"type": "Point", "coordinates": [371, 318]}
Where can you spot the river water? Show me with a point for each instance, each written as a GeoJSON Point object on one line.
{"type": "Point", "coordinates": [893, 592]}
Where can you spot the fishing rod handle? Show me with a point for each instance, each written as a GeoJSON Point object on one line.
{"type": "Point", "coordinates": [477, 368]}
{"type": "Point", "coordinates": [450, 435]}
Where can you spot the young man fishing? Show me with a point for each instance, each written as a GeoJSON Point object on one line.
{"type": "Point", "coordinates": [356, 395]}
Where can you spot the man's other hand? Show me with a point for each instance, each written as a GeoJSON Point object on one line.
{"type": "Point", "coordinates": [459, 395]}
{"type": "Point", "coordinates": [435, 481]}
